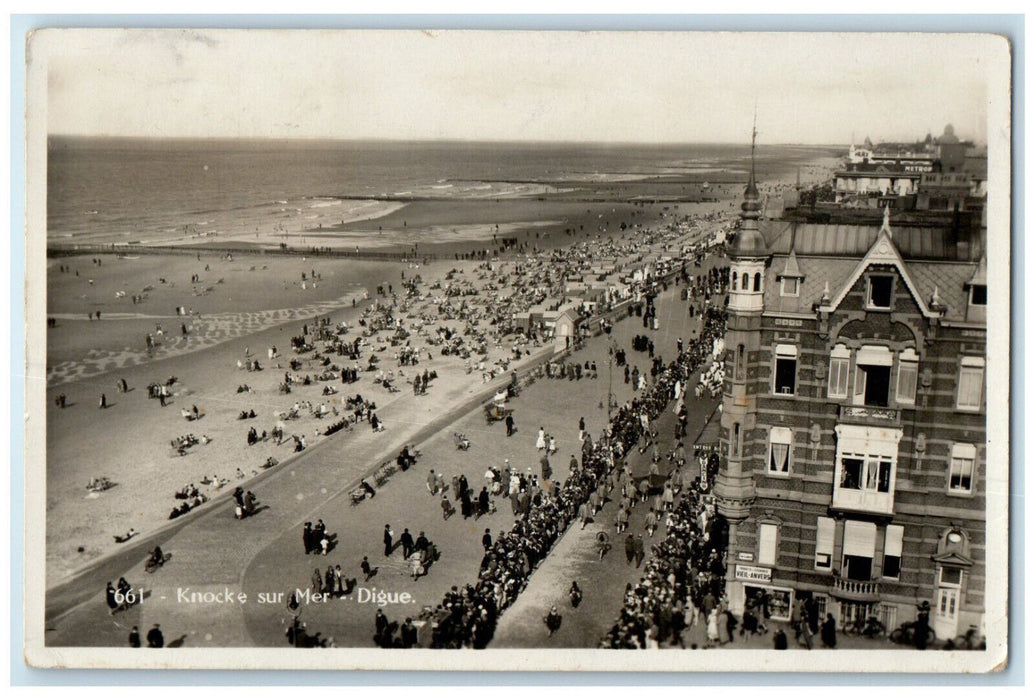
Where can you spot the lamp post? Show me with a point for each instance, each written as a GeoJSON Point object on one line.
{"type": "Point", "coordinates": [612, 349]}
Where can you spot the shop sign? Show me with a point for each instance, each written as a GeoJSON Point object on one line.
{"type": "Point", "coordinates": [753, 573]}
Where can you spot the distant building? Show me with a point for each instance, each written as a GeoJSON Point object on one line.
{"type": "Point", "coordinates": [943, 174]}
{"type": "Point", "coordinates": [853, 420]}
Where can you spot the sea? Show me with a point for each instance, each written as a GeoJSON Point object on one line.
{"type": "Point", "coordinates": [131, 191]}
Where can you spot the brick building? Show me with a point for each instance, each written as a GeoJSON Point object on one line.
{"type": "Point", "coordinates": [853, 423]}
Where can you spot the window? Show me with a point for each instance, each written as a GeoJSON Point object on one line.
{"type": "Point", "coordinates": [979, 295]}
{"type": "Point", "coordinates": [780, 450]}
{"type": "Point", "coordinates": [866, 473]}
{"type": "Point", "coordinates": [905, 389]}
{"type": "Point", "coordinates": [859, 540]}
{"type": "Point", "coordinates": [758, 281]}
{"type": "Point", "coordinates": [971, 383]}
{"type": "Point", "coordinates": [745, 282]}
{"type": "Point", "coordinates": [738, 368]}
{"type": "Point", "coordinates": [767, 544]}
{"type": "Point", "coordinates": [892, 566]}
{"type": "Point", "coordinates": [879, 296]}
{"type": "Point", "coordinates": [785, 369]}
{"type": "Point", "coordinates": [824, 542]}
{"type": "Point", "coordinates": [789, 287]}
{"type": "Point", "coordinates": [734, 280]}
{"type": "Point", "coordinates": [735, 440]}
{"type": "Point", "coordinates": [840, 358]}
{"type": "Point", "coordinates": [951, 576]}
{"type": "Point", "coordinates": [961, 468]}
{"type": "Point", "coordinates": [872, 376]}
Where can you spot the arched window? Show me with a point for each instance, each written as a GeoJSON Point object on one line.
{"type": "Point", "coordinates": [734, 280]}
{"type": "Point", "coordinates": [738, 369]}
{"type": "Point", "coordinates": [745, 282]}
{"type": "Point", "coordinates": [758, 281]}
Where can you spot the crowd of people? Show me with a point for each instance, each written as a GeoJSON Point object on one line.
{"type": "Point", "coordinates": [467, 615]}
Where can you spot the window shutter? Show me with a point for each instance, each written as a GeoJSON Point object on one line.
{"type": "Point", "coordinates": [893, 541]}
{"type": "Point", "coordinates": [824, 542]}
{"type": "Point", "coordinates": [766, 544]}
{"type": "Point", "coordinates": [860, 538]}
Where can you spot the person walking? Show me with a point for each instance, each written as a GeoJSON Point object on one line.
{"type": "Point", "coordinates": [134, 637]}
{"type": "Point", "coordinates": [828, 632]}
{"type": "Point", "coordinates": [364, 566]}
{"type": "Point", "coordinates": [510, 425]}
{"type": "Point", "coordinates": [552, 620]}
{"type": "Point", "coordinates": [388, 534]}
{"type": "Point", "coordinates": [406, 539]}
{"type": "Point", "coordinates": [630, 548]}
{"type": "Point", "coordinates": [638, 545]}
{"type": "Point", "coordinates": [155, 638]}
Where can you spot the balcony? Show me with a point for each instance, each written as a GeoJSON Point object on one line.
{"type": "Point", "coordinates": [863, 501]}
{"type": "Point", "coordinates": [849, 589]}
{"type": "Point", "coordinates": [870, 415]}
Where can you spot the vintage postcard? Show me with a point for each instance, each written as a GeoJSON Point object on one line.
{"type": "Point", "coordinates": [511, 350]}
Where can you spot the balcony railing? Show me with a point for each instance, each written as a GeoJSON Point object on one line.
{"type": "Point", "coordinates": [851, 589]}
{"type": "Point", "coordinates": [870, 415]}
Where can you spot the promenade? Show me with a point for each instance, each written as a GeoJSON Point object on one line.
{"type": "Point", "coordinates": [264, 554]}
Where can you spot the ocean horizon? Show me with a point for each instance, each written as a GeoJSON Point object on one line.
{"type": "Point", "coordinates": [118, 189]}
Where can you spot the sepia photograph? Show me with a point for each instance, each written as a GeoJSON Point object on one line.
{"type": "Point", "coordinates": [517, 350]}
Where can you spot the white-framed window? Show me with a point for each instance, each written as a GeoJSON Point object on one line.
{"type": "Point", "coordinates": [733, 280]}
{"type": "Point", "coordinates": [961, 468]}
{"type": "Point", "coordinates": [950, 577]}
{"type": "Point", "coordinates": [785, 369]}
{"type": "Point", "coordinates": [872, 376]}
{"type": "Point", "coordinates": [789, 287]}
{"type": "Point", "coordinates": [840, 365]}
{"type": "Point", "coordinates": [824, 543]}
{"type": "Point", "coordinates": [767, 543]}
{"type": "Point", "coordinates": [971, 383]}
{"type": "Point", "coordinates": [866, 472]}
{"type": "Point", "coordinates": [892, 565]}
{"type": "Point", "coordinates": [879, 291]}
{"type": "Point", "coordinates": [905, 387]}
{"type": "Point", "coordinates": [780, 441]}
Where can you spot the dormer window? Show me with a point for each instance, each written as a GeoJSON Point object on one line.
{"type": "Point", "coordinates": [878, 295]}
{"type": "Point", "coordinates": [979, 295]}
{"type": "Point", "coordinates": [789, 287]}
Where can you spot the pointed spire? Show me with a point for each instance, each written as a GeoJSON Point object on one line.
{"type": "Point", "coordinates": [936, 301]}
{"type": "Point", "coordinates": [885, 227]}
{"type": "Point", "coordinates": [752, 190]}
{"type": "Point", "coordinates": [791, 269]}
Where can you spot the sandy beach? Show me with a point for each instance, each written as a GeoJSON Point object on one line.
{"type": "Point", "coordinates": [236, 309]}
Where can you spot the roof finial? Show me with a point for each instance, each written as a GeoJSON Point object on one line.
{"type": "Point", "coordinates": [754, 133]}
{"type": "Point", "coordinates": [825, 299]}
{"type": "Point", "coordinates": [886, 226]}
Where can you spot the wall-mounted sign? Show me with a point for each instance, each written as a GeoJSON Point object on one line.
{"type": "Point", "coordinates": [753, 573]}
{"type": "Point", "coordinates": [745, 556]}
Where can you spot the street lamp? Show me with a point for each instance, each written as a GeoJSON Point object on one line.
{"type": "Point", "coordinates": [612, 350]}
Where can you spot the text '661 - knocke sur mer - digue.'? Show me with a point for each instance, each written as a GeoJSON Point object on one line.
{"type": "Point", "coordinates": [303, 596]}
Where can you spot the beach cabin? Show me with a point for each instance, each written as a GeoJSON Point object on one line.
{"type": "Point", "coordinates": [563, 324]}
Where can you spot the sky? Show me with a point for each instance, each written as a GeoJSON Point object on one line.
{"type": "Point", "coordinates": [537, 86]}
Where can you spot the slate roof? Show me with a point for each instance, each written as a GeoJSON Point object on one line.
{"type": "Point", "coordinates": [853, 240]}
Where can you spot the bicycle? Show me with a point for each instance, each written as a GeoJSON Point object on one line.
{"type": "Point", "coordinates": [870, 627]}
{"type": "Point", "coordinates": [906, 634]}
